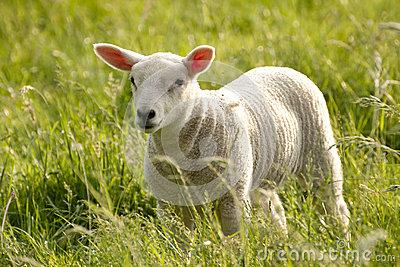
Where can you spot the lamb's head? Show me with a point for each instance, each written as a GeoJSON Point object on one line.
{"type": "Point", "coordinates": [160, 81]}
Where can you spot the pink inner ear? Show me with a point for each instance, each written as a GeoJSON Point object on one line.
{"type": "Point", "coordinates": [115, 57]}
{"type": "Point", "coordinates": [201, 59]}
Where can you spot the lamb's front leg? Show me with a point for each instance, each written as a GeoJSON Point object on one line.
{"type": "Point", "coordinates": [185, 213]}
{"type": "Point", "coordinates": [232, 208]}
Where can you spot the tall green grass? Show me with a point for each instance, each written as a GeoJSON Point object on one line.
{"type": "Point", "coordinates": [73, 198]}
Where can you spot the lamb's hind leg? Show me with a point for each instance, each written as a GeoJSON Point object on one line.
{"type": "Point", "coordinates": [332, 191]}
{"type": "Point", "coordinates": [278, 212]}
{"type": "Point", "coordinates": [271, 203]}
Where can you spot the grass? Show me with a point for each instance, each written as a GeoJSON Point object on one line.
{"type": "Point", "coordinates": [74, 200]}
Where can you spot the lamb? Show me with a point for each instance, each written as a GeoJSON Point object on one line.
{"type": "Point", "coordinates": [225, 146]}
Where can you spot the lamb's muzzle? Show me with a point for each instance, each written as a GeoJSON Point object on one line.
{"type": "Point", "coordinates": [145, 119]}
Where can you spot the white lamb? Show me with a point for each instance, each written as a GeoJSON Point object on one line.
{"type": "Point", "coordinates": [223, 144]}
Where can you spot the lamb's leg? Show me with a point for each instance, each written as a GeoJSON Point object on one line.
{"type": "Point", "coordinates": [271, 204]}
{"type": "Point", "coordinates": [278, 212]}
{"type": "Point", "coordinates": [232, 208]}
{"type": "Point", "coordinates": [333, 189]}
{"type": "Point", "coordinates": [337, 203]}
{"type": "Point", "coordinates": [185, 213]}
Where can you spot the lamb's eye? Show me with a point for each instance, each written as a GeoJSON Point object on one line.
{"type": "Point", "coordinates": [133, 84]}
{"type": "Point", "coordinates": [179, 82]}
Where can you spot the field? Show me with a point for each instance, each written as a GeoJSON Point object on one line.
{"type": "Point", "coordinates": [68, 197]}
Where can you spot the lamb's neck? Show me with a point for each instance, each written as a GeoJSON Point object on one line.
{"type": "Point", "coordinates": [194, 89]}
{"type": "Point", "coordinates": [197, 92]}
{"type": "Point", "coordinates": [201, 103]}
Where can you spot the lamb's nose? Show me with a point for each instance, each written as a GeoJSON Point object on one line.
{"type": "Point", "coordinates": [152, 114]}
{"type": "Point", "coordinates": [145, 116]}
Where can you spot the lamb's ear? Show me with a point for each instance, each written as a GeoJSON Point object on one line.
{"type": "Point", "coordinates": [117, 57]}
{"type": "Point", "coordinates": [199, 59]}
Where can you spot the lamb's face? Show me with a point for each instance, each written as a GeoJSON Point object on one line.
{"type": "Point", "coordinates": [158, 85]}
{"type": "Point", "coordinates": [160, 81]}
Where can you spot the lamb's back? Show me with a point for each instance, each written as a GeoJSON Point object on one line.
{"type": "Point", "coordinates": [290, 121]}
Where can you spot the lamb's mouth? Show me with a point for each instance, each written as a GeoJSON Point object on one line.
{"type": "Point", "coordinates": [149, 128]}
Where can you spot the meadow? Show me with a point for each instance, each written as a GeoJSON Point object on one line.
{"type": "Point", "coordinates": [68, 197]}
